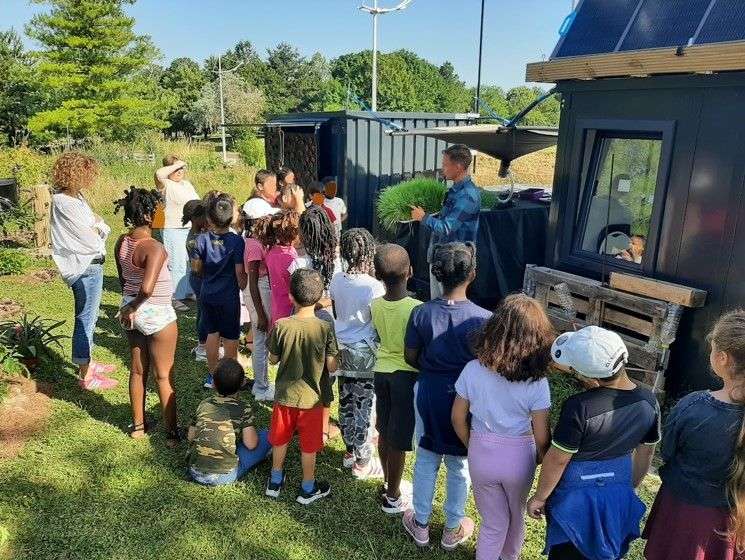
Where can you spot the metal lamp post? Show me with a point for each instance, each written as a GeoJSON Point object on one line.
{"type": "Point", "coordinates": [374, 11]}
{"type": "Point", "coordinates": [222, 104]}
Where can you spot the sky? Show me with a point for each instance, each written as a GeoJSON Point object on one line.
{"type": "Point", "coordinates": [515, 31]}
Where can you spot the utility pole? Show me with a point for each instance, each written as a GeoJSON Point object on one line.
{"type": "Point", "coordinates": [222, 110]}
{"type": "Point", "coordinates": [222, 103]}
{"type": "Point", "coordinates": [375, 11]}
{"type": "Point", "coordinates": [374, 102]}
{"type": "Point", "coordinates": [481, 44]}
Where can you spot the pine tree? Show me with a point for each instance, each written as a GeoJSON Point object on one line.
{"type": "Point", "coordinates": [95, 66]}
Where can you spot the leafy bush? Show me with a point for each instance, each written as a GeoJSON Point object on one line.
{"type": "Point", "coordinates": [251, 150]}
{"type": "Point", "coordinates": [27, 166]}
{"type": "Point", "coordinates": [394, 203]}
{"type": "Point", "coordinates": [13, 261]}
{"type": "Point", "coordinates": [28, 338]}
{"type": "Point", "coordinates": [10, 362]}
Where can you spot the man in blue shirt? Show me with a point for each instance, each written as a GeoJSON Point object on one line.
{"type": "Point", "coordinates": [459, 218]}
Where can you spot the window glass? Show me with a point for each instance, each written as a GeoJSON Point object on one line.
{"type": "Point", "coordinates": [620, 206]}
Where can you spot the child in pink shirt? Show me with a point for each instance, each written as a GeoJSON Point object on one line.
{"type": "Point", "coordinates": [280, 234]}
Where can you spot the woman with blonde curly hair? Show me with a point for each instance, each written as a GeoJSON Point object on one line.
{"type": "Point", "coordinates": [79, 250]}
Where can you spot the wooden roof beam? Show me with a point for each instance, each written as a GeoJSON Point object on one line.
{"type": "Point", "coordinates": [713, 57]}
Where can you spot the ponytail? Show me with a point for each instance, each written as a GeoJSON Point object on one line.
{"type": "Point", "coordinates": [728, 335]}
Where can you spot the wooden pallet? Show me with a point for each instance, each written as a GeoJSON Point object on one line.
{"type": "Point", "coordinates": [641, 321]}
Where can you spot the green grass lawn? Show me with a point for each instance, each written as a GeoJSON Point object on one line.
{"type": "Point", "coordinates": [84, 489]}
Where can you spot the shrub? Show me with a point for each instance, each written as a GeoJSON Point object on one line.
{"type": "Point", "coordinates": [251, 150]}
{"type": "Point", "coordinates": [10, 362]}
{"type": "Point", "coordinates": [13, 261]}
{"type": "Point", "coordinates": [28, 338]}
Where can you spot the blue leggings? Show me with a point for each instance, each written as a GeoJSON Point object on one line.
{"type": "Point", "coordinates": [247, 460]}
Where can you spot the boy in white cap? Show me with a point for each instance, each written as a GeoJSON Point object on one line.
{"type": "Point", "coordinates": [601, 450]}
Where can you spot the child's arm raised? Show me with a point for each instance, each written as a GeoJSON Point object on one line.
{"type": "Point", "coordinates": [541, 433]}
{"type": "Point", "coordinates": [459, 418]}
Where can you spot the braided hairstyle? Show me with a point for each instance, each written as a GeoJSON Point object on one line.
{"type": "Point", "coordinates": [319, 239]}
{"type": "Point", "coordinates": [453, 264]}
{"type": "Point", "coordinates": [139, 206]}
{"type": "Point", "coordinates": [358, 249]}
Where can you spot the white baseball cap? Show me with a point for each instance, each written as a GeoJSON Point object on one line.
{"type": "Point", "coordinates": [592, 352]}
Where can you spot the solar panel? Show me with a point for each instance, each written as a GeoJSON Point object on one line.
{"type": "Point", "coordinates": [664, 23]}
{"type": "Point", "coordinates": [597, 27]}
{"type": "Point", "coordinates": [726, 22]}
{"type": "Point", "coordinates": [600, 25]}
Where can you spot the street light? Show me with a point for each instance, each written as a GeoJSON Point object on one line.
{"type": "Point", "coordinates": [222, 102]}
{"type": "Point", "coordinates": [374, 11]}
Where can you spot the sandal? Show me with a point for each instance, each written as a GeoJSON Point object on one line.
{"type": "Point", "coordinates": [137, 431]}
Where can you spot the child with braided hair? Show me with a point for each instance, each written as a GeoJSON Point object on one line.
{"type": "Point", "coordinates": [351, 293]}
{"type": "Point", "coordinates": [146, 312]}
{"type": "Point", "coordinates": [439, 342]}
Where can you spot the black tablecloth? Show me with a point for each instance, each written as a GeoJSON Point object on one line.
{"type": "Point", "coordinates": [509, 239]}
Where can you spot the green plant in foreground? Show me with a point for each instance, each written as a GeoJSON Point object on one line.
{"type": "Point", "coordinates": [13, 261]}
{"type": "Point", "coordinates": [394, 203]}
{"type": "Point", "coordinates": [10, 362]}
{"type": "Point", "coordinates": [29, 337]}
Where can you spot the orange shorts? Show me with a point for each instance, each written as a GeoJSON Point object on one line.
{"type": "Point", "coordinates": [308, 423]}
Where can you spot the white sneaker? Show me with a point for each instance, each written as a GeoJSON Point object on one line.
{"type": "Point", "coordinates": [373, 470]}
{"type": "Point", "coordinates": [394, 507]}
{"type": "Point", "coordinates": [265, 395]}
{"type": "Point", "coordinates": [348, 461]}
{"type": "Point", "coordinates": [200, 353]}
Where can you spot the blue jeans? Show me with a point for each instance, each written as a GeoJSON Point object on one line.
{"type": "Point", "coordinates": [87, 293]}
{"type": "Point", "coordinates": [247, 459]}
{"type": "Point", "coordinates": [174, 241]}
{"type": "Point", "coordinates": [426, 468]}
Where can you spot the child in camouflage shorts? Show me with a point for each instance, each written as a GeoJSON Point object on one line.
{"type": "Point", "coordinates": [224, 445]}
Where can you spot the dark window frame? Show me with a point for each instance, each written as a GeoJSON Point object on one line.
{"type": "Point", "coordinates": [589, 135]}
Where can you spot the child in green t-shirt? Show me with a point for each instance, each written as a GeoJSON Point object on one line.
{"type": "Point", "coordinates": [224, 444]}
{"type": "Point", "coordinates": [302, 344]}
{"type": "Point", "coordinates": [394, 378]}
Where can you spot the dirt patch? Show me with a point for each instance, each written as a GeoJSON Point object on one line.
{"type": "Point", "coordinates": [10, 308]}
{"type": "Point", "coordinates": [23, 414]}
{"type": "Point", "coordinates": [43, 275]}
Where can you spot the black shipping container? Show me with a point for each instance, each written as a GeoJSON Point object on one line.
{"type": "Point", "coordinates": [353, 147]}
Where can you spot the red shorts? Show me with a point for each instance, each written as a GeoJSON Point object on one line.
{"type": "Point", "coordinates": [308, 423]}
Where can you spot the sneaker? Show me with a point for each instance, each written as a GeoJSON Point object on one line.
{"type": "Point", "coordinates": [394, 507]}
{"type": "Point", "coordinates": [209, 383]}
{"type": "Point", "coordinates": [200, 353]}
{"type": "Point", "coordinates": [265, 395]}
{"type": "Point", "coordinates": [97, 382]}
{"type": "Point", "coordinates": [102, 369]}
{"type": "Point", "coordinates": [321, 489]}
{"type": "Point", "coordinates": [373, 470]}
{"type": "Point", "coordinates": [179, 305]}
{"type": "Point", "coordinates": [451, 538]}
{"type": "Point", "coordinates": [348, 460]}
{"type": "Point", "coordinates": [274, 488]}
{"type": "Point", "coordinates": [416, 532]}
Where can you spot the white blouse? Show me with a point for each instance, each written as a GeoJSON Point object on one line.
{"type": "Point", "coordinates": [78, 235]}
{"type": "Point", "coordinates": [176, 195]}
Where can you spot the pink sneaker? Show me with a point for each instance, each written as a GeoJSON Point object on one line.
{"type": "Point", "coordinates": [419, 534]}
{"type": "Point", "coordinates": [97, 382]}
{"type": "Point", "coordinates": [103, 369]}
{"type": "Point", "coordinates": [451, 538]}
{"type": "Point", "coordinates": [373, 470]}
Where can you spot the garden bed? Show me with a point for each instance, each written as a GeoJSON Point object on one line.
{"type": "Point", "coordinates": [23, 413]}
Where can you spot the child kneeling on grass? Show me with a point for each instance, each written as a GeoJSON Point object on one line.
{"type": "Point", "coordinates": [305, 348]}
{"type": "Point", "coordinates": [224, 443]}
{"type": "Point", "coordinates": [601, 450]}
{"type": "Point", "coordinates": [394, 378]}
{"type": "Point", "coordinates": [352, 292]}
{"type": "Point", "coordinates": [699, 511]}
{"type": "Point", "coordinates": [506, 394]}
